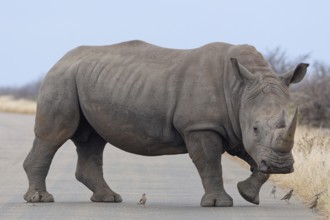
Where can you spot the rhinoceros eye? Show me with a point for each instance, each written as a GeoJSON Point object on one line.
{"type": "Point", "coordinates": [256, 127]}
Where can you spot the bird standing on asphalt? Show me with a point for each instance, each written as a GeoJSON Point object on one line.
{"type": "Point", "coordinates": [34, 198]}
{"type": "Point", "coordinates": [143, 200]}
{"type": "Point", "coordinates": [288, 196]}
{"type": "Point", "coordinates": [273, 191]}
{"type": "Point", "coordinates": [314, 202]}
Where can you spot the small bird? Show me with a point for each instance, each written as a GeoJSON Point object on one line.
{"type": "Point", "coordinates": [273, 191]}
{"type": "Point", "coordinates": [288, 196]}
{"type": "Point", "coordinates": [314, 202]}
{"type": "Point", "coordinates": [143, 200]}
{"type": "Point", "coordinates": [320, 193]}
{"type": "Point", "coordinates": [34, 198]}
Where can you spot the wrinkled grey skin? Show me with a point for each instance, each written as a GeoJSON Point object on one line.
{"type": "Point", "coordinates": [154, 101]}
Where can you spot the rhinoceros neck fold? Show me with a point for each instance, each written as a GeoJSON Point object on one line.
{"type": "Point", "coordinates": [233, 93]}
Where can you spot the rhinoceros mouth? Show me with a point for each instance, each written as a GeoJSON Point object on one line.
{"type": "Point", "coordinates": [272, 162]}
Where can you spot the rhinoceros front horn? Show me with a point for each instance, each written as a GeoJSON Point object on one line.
{"type": "Point", "coordinates": [292, 127]}
{"type": "Point", "coordinates": [285, 142]}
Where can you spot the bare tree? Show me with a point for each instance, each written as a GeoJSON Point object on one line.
{"type": "Point", "coordinates": [312, 95]}
{"type": "Point", "coordinates": [280, 62]}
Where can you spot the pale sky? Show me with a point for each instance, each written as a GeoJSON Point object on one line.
{"type": "Point", "coordinates": [35, 34]}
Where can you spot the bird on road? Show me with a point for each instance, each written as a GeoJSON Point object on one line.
{"type": "Point", "coordinates": [288, 196]}
{"type": "Point", "coordinates": [314, 202]}
{"type": "Point", "coordinates": [143, 200]}
{"type": "Point", "coordinates": [273, 191]}
{"type": "Point", "coordinates": [34, 198]}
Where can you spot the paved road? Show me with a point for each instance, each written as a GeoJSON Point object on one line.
{"type": "Point", "coordinates": [171, 183]}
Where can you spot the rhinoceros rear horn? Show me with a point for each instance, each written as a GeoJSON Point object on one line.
{"type": "Point", "coordinates": [241, 73]}
{"type": "Point", "coordinates": [281, 120]}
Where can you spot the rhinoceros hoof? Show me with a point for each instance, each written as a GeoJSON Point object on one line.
{"type": "Point", "coordinates": [216, 200]}
{"type": "Point", "coordinates": [44, 196]}
{"type": "Point", "coordinates": [249, 192]}
{"type": "Point", "coordinates": [106, 197]}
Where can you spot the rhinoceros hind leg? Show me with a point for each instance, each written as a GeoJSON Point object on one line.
{"type": "Point", "coordinates": [57, 119]}
{"type": "Point", "coordinates": [44, 196]}
{"type": "Point", "coordinates": [106, 197]}
{"type": "Point", "coordinates": [36, 166]}
{"type": "Point", "coordinates": [89, 170]}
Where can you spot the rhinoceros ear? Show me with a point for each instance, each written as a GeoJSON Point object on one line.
{"type": "Point", "coordinates": [296, 75]}
{"type": "Point", "coordinates": [241, 73]}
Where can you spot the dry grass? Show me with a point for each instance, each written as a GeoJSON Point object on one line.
{"type": "Point", "coordinates": [8, 104]}
{"type": "Point", "coordinates": [312, 168]}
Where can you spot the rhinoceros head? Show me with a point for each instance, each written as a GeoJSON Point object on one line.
{"type": "Point", "coordinates": [267, 127]}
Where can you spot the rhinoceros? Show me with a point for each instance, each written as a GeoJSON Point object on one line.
{"type": "Point", "coordinates": [151, 101]}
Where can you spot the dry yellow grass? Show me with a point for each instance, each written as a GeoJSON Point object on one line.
{"type": "Point", "coordinates": [8, 104]}
{"type": "Point", "coordinates": [312, 168]}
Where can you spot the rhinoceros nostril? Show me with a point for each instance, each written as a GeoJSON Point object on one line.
{"type": "Point", "coordinates": [263, 166]}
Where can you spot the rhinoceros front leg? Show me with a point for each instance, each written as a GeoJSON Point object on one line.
{"type": "Point", "coordinates": [205, 149]}
{"type": "Point", "coordinates": [90, 168]}
{"type": "Point", "coordinates": [250, 188]}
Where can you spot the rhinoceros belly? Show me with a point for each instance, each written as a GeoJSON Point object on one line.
{"type": "Point", "coordinates": [133, 132]}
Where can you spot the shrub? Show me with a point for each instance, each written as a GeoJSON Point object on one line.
{"type": "Point", "coordinates": [28, 91]}
{"type": "Point", "coordinates": [311, 95]}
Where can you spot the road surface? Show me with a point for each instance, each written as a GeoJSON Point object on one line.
{"type": "Point", "coordinates": [171, 183]}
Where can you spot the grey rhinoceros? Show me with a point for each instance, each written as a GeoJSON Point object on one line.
{"type": "Point", "coordinates": [152, 101]}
